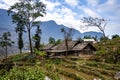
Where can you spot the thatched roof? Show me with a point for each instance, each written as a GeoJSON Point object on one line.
{"type": "Point", "coordinates": [62, 46]}
{"type": "Point", "coordinates": [72, 46]}
{"type": "Point", "coordinates": [48, 46]}
{"type": "Point", "coordinates": [81, 46]}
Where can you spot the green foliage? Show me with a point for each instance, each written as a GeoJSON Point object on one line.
{"type": "Point", "coordinates": [72, 75]}
{"type": "Point", "coordinates": [20, 29]}
{"type": "Point", "coordinates": [104, 38]}
{"type": "Point", "coordinates": [37, 37]}
{"type": "Point", "coordinates": [5, 41]}
{"type": "Point", "coordinates": [108, 50]}
{"type": "Point", "coordinates": [40, 53]}
{"type": "Point", "coordinates": [3, 72]}
{"type": "Point", "coordinates": [20, 42]}
{"type": "Point", "coordinates": [51, 40]}
{"type": "Point", "coordinates": [51, 70]}
{"type": "Point", "coordinates": [115, 36]}
{"type": "Point", "coordinates": [58, 41]}
{"type": "Point", "coordinates": [87, 37]}
{"type": "Point", "coordinates": [57, 61]}
{"type": "Point", "coordinates": [26, 11]}
{"type": "Point", "coordinates": [24, 73]}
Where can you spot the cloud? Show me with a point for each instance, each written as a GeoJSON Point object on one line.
{"type": "Point", "coordinates": [70, 16]}
{"type": "Point", "coordinates": [72, 2]}
{"type": "Point", "coordinates": [50, 5]}
{"type": "Point", "coordinates": [63, 16]}
{"type": "Point", "coordinates": [93, 2]}
{"type": "Point", "coordinates": [5, 4]}
{"type": "Point", "coordinates": [109, 6]}
{"type": "Point", "coordinates": [89, 12]}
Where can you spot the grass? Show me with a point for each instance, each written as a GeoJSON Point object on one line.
{"type": "Point", "coordinates": [70, 69]}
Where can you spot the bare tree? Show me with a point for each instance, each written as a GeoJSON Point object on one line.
{"type": "Point", "coordinates": [67, 35]}
{"type": "Point", "coordinates": [97, 22]}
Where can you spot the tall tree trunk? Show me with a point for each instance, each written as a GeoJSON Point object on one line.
{"type": "Point", "coordinates": [6, 52]}
{"type": "Point", "coordinates": [30, 41]}
{"type": "Point", "coordinates": [66, 44]}
{"type": "Point", "coordinates": [20, 51]}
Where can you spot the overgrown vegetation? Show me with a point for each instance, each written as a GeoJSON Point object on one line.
{"type": "Point", "coordinates": [108, 50]}
{"type": "Point", "coordinates": [23, 73]}
{"type": "Point", "coordinates": [25, 67]}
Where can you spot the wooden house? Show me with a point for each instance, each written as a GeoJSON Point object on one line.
{"type": "Point", "coordinates": [75, 48]}
{"type": "Point", "coordinates": [83, 50]}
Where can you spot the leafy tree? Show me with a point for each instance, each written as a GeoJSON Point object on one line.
{"type": "Point", "coordinates": [20, 29]}
{"type": "Point", "coordinates": [97, 22]}
{"type": "Point", "coordinates": [37, 37]}
{"type": "Point", "coordinates": [87, 37]}
{"type": "Point", "coordinates": [58, 41]}
{"type": "Point", "coordinates": [51, 40]}
{"type": "Point", "coordinates": [5, 41]}
{"type": "Point", "coordinates": [67, 35]}
{"type": "Point", "coordinates": [115, 36]}
{"type": "Point", "coordinates": [27, 11]}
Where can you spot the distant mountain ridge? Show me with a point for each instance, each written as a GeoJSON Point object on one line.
{"type": "Point", "coordinates": [49, 29]}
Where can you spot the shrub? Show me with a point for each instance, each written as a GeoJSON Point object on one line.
{"type": "Point", "coordinates": [24, 72]}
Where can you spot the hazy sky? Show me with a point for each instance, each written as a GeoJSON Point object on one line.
{"type": "Point", "coordinates": [70, 12]}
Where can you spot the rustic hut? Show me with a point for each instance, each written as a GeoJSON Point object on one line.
{"type": "Point", "coordinates": [48, 48]}
{"type": "Point", "coordinates": [61, 49]}
{"type": "Point", "coordinates": [75, 48]}
{"type": "Point", "coordinates": [83, 50]}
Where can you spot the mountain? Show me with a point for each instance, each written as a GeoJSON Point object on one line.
{"type": "Point", "coordinates": [49, 29]}
{"type": "Point", "coordinates": [52, 29]}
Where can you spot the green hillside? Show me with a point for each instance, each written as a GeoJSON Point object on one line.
{"type": "Point", "coordinates": [25, 68]}
{"type": "Point", "coordinates": [109, 50]}
{"type": "Point", "coordinates": [102, 66]}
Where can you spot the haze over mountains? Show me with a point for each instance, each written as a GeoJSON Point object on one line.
{"type": "Point", "coordinates": [49, 29]}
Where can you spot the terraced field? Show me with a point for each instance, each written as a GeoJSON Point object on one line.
{"type": "Point", "coordinates": [68, 69]}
